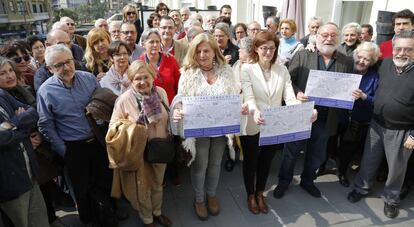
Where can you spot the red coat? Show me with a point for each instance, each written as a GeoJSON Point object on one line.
{"type": "Point", "coordinates": [386, 49]}
{"type": "Point", "coordinates": [168, 75]}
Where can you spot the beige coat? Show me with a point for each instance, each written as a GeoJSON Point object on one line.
{"type": "Point", "coordinates": [136, 185]}
{"type": "Point", "coordinates": [258, 96]}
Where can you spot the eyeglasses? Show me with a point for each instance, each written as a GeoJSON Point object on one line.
{"type": "Point", "coordinates": [128, 32]}
{"type": "Point", "coordinates": [167, 27]}
{"type": "Point", "coordinates": [266, 49]}
{"type": "Point", "coordinates": [17, 60]}
{"type": "Point", "coordinates": [61, 64]}
{"type": "Point", "coordinates": [407, 50]}
{"type": "Point", "coordinates": [254, 29]}
{"type": "Point", "coordinates": [162, 9]}
{"type": "Point", "coordinates": [115, 31]}
{"type": "Point", "coordinates": [131, 13]}
{"type": "Point", "coordinates": [121, 54]}
{"type": "Point", "coordinates": [71, 24]}
{"type": "Point", "coordinates": [326, 35]}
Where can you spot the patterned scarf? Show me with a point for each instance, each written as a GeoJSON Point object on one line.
{"type": "Point", "coordinates": [149, 106]}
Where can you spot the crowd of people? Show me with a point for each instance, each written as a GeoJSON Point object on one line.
{"type": "Point", "coordinates": [61, 128]}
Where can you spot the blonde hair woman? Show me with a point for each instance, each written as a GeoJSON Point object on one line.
{"type": "Point", "coordinates": [204, 73]}
{"type": "Point", "coordinates": [144, 103]}
{"type": "Point", "coordinates": [96, 54]}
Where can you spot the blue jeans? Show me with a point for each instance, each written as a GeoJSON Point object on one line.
{"type": "Point", "coordinates": [315, 148]}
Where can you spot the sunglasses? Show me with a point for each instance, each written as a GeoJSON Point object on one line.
{"type": "Point", "coordinates": [71, 24]}
{"type": "Point", "coordinates": [26, 58]}
{"type": "Point", "coordinates": [130, 13]}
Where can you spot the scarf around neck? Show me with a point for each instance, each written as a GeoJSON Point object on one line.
{"type": "Point", "coordinates": [149, 106]}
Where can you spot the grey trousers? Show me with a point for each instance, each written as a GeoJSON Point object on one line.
{"type": "Point", "coordinates": [205, 170]}
{"type": "Point", "coordinates": [382, 141]}
{"type": "Point", "coordinates": [29, 210]}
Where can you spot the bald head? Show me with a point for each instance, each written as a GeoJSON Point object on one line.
{"type": "Point", "coordinates": [58, 36]}
{"type": "Point", "coordinates": [61, 26]}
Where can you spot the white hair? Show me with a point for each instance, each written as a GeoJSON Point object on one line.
{"type": "Point", "coordinates": [370, 47]}
{"type": "Point", "coordinates": [354, 25]}
{"type": "Point", "coordinates": [98, 21]}
{"type": "Point", "coordinates": [51, 51]}
{"type": "Point", "coordinates": [191, 23]}
{"type": "Point", "coordinates": [315, 19]}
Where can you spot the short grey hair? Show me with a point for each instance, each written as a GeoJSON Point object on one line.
{"type": "Point", "coordinates": [114, 23]}
{"type": "Point", "coordinates": [51, 51]}
{"type": "Point", "coordinates": [193, 32]}
{"type": "Point", "coordinates": [403, 35]}
{"type": "Point", "coordinates": [191, 22]}
{"type": "Point", "coordinates": [354, 25]}
{"type": "Point", "coordinates": [147, 33]}
{"type": "Point", "coordinates": [315, 19]}
{"type": "Point", "coordinates": [246, 43]}
{"type": "Point", "coordinates": [224, 28]}
{"type": "Point", "coordinates": [4, 61]}
{"type": "Point", "coordinates": [98, 21]}
{"type": "Point", "coordinates": [370, 47]}
{"type": "Point", "coordinates": [58, 25]}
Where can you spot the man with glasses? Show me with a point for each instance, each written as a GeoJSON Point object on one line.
{"type": "Point", "coordinates": [391, 131]}
{"type": "Point", "coordinates": [253, 28]}
{"type": "Point", "coordinates": [402, 21]}
{"type": "Point", "coordinates": [61, 102]}
{"type": "Point", "coordinates": [168, 45]}
{"type": "Point", "coordinates": [55, 37]}
{"type": "Point", "coordinates": [75, 38]}
{"type": "Point", "coordinates": [129, 36]}
{"type": "Point", "coordinates": [272, 24]}
{"type": "Point", "coordinates": [114, 29]}
{"type": "Point", "coordinates": [325, 58]}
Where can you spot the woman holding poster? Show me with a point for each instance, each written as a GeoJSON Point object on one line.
{"type": "Point", "coordinates": [264, 84]}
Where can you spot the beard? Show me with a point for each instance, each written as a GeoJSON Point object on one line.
{"type": "Point", "coordinates": [402, 62]}
{"type": "Point", "coordinates": [325, 48]}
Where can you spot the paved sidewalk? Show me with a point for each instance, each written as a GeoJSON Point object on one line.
{"type": "Point", "coordinates": [296, 208]}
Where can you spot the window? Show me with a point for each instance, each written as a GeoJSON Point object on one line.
{"type": "Point", "coordinates": [34, 8]}
{"type": "Point", "coordinates": [21, 8]}
{"type": "Point", "coordinates": [11, 7]}
{"type": "Point", "coordinates": [41, 8]}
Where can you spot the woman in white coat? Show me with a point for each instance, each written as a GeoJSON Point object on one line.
{"type": "Point", "coordinates": [264, 84]}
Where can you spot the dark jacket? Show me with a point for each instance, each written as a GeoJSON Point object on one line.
{"type": "Point", "coordinates": [302, 62]}
{"type": "Point", "coordinates": [14, 178]}
{"type": "Point", "coordinates": [233, 51]}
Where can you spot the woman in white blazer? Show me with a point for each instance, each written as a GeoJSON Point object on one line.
{"type": "Point", "coordinates": [264, 84]}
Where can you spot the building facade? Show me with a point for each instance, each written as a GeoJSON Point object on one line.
{"type": "Point", "coordinates": [21, 17]}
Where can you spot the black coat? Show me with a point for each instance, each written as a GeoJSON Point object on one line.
{"type": "Point", "coordinates": [233, 51]}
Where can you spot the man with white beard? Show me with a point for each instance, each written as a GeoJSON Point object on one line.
{"type": "Point", "coordinates": [325, 58]}
{"type": "Point", "coordinates": [392, 128]}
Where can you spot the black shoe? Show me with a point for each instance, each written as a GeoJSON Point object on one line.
{"type": "Point", "coordinates": [311, 189]}
{"type": "Point", "coordinates": [279, 191]}
{"type": "Point", "coordinates": [391, 211]}
{"type": "Point", "coordinates": [321, 171]}
{"type": "Point", "coordinates": [343, 180]}
{"type": "Point", "coordinates": [355, 196]}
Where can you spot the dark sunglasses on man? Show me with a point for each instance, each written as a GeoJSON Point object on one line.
{"type": "Point", "coordinates": [26, 58]}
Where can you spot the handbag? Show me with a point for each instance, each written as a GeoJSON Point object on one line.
{"type": "Point", "coordinates": [159, 150]}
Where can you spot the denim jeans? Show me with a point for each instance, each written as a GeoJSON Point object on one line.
{"type": "Point", "coordinates": [315, 148]}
